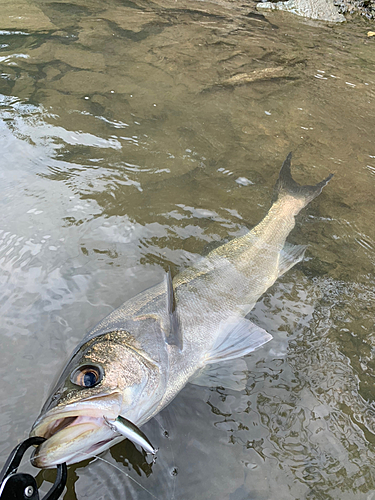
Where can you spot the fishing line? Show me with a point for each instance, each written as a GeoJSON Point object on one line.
{"type": "Point", "coordinates": [127, 475]}
{"type": "Point", "coordinates": [122, 472]}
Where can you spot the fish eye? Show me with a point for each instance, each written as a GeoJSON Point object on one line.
{"type": "Point", "coordinates": [87, 376]}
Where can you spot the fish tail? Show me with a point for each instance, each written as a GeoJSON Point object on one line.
{"type": "Point", "coordinates": [286, 185]}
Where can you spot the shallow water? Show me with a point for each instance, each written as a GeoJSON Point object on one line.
{"type": "Point", "coordinates": [136, 135]}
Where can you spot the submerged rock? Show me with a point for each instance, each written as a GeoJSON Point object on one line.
{"type": "Point", "coordinates": [324, 10]}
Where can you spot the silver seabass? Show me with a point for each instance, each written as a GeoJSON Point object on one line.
{"type": "Point", "coordinates": [135, 361]}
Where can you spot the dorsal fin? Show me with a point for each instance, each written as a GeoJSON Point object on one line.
{"type": "Point", "coordinates": [174, 335]}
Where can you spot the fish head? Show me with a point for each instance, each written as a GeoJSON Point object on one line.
{"type": "Point", "coordinates": [106, 375]}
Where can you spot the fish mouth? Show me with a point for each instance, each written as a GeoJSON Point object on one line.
{"type": "Point", "coordinates": [72, 435]}
{"type": "Point", "coordinates": [59, 425]}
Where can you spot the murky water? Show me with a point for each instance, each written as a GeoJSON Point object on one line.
{"type": "Point", "coordinates": [134, 135]}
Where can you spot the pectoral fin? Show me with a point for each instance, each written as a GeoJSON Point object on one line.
{"type": "Point", "coordinates": [237, 337]}
{"type": "Point", "coordinates": [229, 374]}
{"type": "Point", "coordinates": [123, 426]}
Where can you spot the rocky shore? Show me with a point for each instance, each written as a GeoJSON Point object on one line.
{"type": "Point", "coordinates": [364, 8]}
{"type": "Point", "coordinates": [325, 10]}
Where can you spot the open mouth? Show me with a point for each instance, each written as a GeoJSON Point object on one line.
{"type": "Point", "coordinates": [59, 425]}
{"type": "Point", "coordinates": [51, 427]}
{"type": "Point", "coordinates": [76, 431]}
{"type": "Point", "coordinates": [71, 439]}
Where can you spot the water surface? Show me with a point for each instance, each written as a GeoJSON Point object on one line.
{"type": "Point", "coordinates": [134, 137]}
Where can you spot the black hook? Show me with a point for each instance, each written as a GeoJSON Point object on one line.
{"type": "Point", "coordinates": [19, 486]}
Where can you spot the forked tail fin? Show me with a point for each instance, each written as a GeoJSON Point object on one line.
{"type": "Point", "coordinates": [286, 185]}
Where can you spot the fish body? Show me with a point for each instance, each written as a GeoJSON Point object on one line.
{"type": "Point", "coordinates": [137, 359]}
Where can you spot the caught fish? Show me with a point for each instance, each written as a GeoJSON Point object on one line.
{"type": "Point", "coordinates": [138, 358]}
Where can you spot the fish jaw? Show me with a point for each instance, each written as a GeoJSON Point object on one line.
{"type": "Point", "coordinates": [74, 433]}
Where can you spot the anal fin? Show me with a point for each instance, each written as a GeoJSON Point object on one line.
{"type": "Point", "coordinates": [290, 255]}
